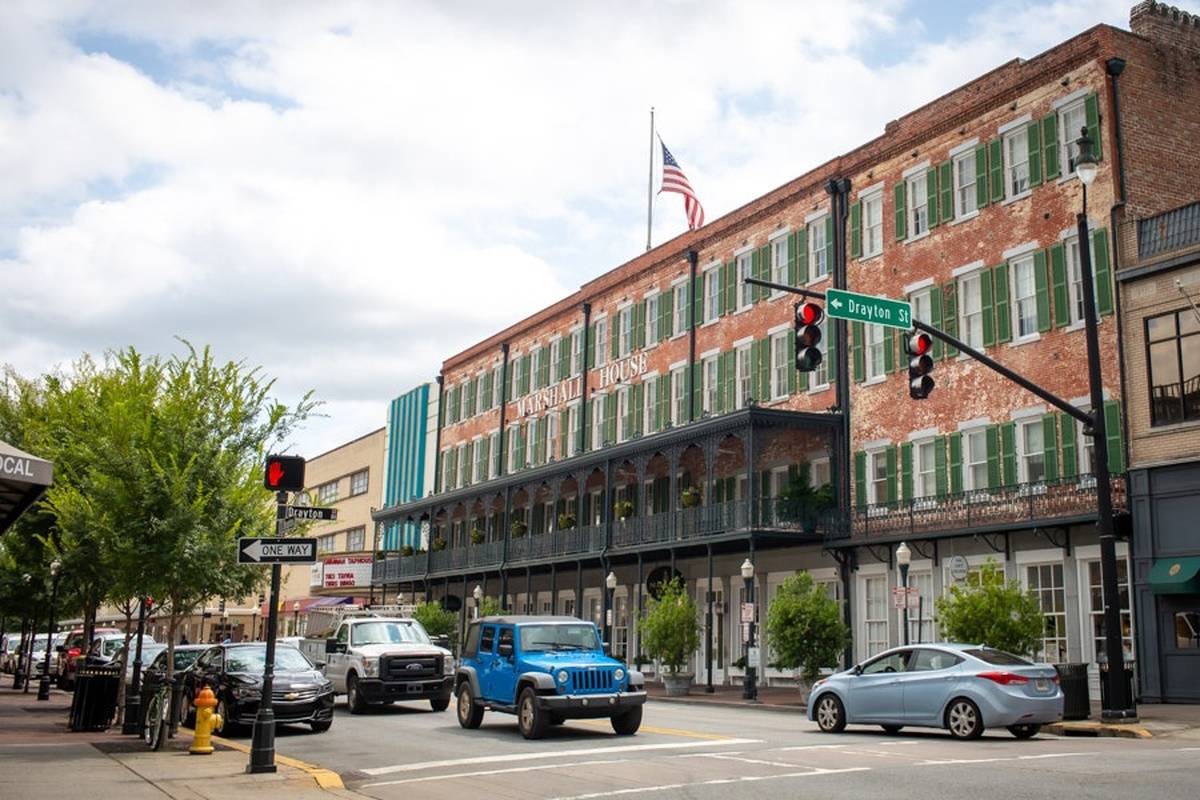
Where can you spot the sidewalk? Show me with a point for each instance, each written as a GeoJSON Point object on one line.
{"type": "Point", "coordinates": [1155, 720]}
{"type": "Point", "coordinates": [39, 756]}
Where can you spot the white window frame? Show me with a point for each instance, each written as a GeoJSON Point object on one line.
{"type": "Point", "coordinates": [1024, 456]}
{"type": "Point", "coordinates": [649, 395]}
{"type": "Point", "coordinates": [1068, 135]}
{"type": "Point", "coordinates": [924, 483]}
{"type": "Point", "coordinates": [552, 437]}
{"type": "Point", "coordinates": [872, 224]}
{"type": "Point", "coordinates": [537, 355]}
{"type": "Point", "coordinates": [601, 341]}
{"type": "Point", "coordinates": [965, 315]}
{"type": "Point", "coordinates": [745, 292]}
{"type": "Point", "coordinates": [712, 293]}
{"type": "Point", "coordinates": [356, 535]}
{"type": "Point", "coordinates": [710, 384]}
{"type": "Point", "coordinates": [818, 379]}
{"type": "Point", "coordinates": [876, 460]}
{"type": "Point", "coordinates": [876, 613]}
{"type": "Point", "coordinates": [780, 365]}
{"type": "Point", "coordinates": [625, 331]}
{"type": "Point", "coordinates": [678, 396]}
{"type": "Point", "coordinates": [573, 418]}
{"type": "Point", "coordinates": [1016, 164]}
{"type": "Point", "coordinates": [816, 465]}
{"type": "Point", "coordinates": [918, 213]}
{"type": "Point", "coordinates": [597, 421]}
{"type": "Point", "coordinates": [818, 265]}
{"type": "Point", "coordinates": [874, 350]}
{"type": "Point", "coordinates": [779, 261]}
{"type": "Point", "coordinates": [742, 383]}
{"type": "Point", "coordinates": [966, 198]}
{"type": "Point", "coordinates": [968, 464]}
{"type": "Point", "coordinates": [355, 487]}
{"type": "Point", "coordinates": [623, 398]}
{"type": "Point", "coordinates": [1017, 266]}
{"type": "Point", "coordinates": [679, 310]}
{"type": "Point", "coordinates": [1062, 652]}
{"type": "Point", "coordinates": [555, 357]}
{"type": "Point", "coordinates": [652, 320]}
{"type": "Point", "coordinates": [576, 352]}
{"type": "Point", "coordinates": [1092, 614]}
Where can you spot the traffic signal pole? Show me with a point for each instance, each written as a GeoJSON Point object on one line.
{"type": "Point", "coordinates": [262, 745]}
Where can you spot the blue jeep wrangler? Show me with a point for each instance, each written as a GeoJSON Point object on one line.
{"type": "Point", "coordinates": [544, 670]}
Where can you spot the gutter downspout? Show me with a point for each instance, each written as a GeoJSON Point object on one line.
{"type": "Point", "coordinates": [1115, 66]}
{"type": "Point", "coordinates": [693, 257]}
{"type": "Point", "coordinates": [437, 437]}
{"type": "Point", "coordinates": [502, 391]}
{"type": "Point", "coordinates": [584, 367]}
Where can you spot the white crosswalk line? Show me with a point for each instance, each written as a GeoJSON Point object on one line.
{"type": "Point", "coordinates": [455, 775]}
{"type": "Point", "coordinates": [666, 787]}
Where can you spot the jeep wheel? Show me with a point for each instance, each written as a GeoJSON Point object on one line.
{"type": "Point", "coordinates": [439, 703]}
{"type": "Point", "coordinates": [530, 719]}
{"type": "Point", "coordinates": [354, 699]}
{"type": "Point", "coordinates": [627, 724]}
{"type": "Point", "coordinates": [469, 714]}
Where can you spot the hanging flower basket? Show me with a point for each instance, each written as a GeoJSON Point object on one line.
{"type": "Point", "coordinates": [623, 509]}
{"type": "Point", "coordinates": [691, 497]}
{"type": "Point", "coordinates": [518, 528]}
{"type": "Point", "coordinates": [438, 545]}
{"type": "Point", "coordinates": [477, 536]}
{"type": "Point", "coordinates": [407, 550]}
{"type": "Point", "coordinates": [566, 522]}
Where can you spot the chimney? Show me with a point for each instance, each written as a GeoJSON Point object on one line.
{"type": "Point", "coordinates": [1165, 25]}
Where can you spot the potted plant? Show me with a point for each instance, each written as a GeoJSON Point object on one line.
{"type": "Point", "coordinates": [670, 631]}
{"type": "Point", "coordinates": [801, 503]}
{"type": "Point", "coordinates": [437, 545]}
{"type": "Point", "coordinates": [566, 521]}
{"type": "Point", "coordinates": [477, 536]}
{"type": "Point", "coordinates": [623, 509]}
{"type": "Point", "coordinates": [691, 497]}
{"type": "Point", "coordinates": [406, 550]}
{"type": "Point", "coordinates": [805, 628]}
{"type": "Point", "coordinates": [518, 528]}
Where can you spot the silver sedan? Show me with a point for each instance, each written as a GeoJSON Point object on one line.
{"type": "Point", "coordinates": [963, 688]}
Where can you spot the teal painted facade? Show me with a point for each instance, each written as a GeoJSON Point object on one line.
{"type": "Point", "coordinates": [408, 431]}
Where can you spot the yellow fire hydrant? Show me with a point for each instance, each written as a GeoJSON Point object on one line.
{"type": "Point", "coordinates": [206, 720]}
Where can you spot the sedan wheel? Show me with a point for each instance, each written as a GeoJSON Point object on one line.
{"type": "Point", "coordinates": [831, 716]}
{"type": "Point", "coordinates": [1024, 731]}
{"type": "Point", "coordinates": [963, 720]}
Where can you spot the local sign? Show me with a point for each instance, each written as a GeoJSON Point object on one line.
{"type": "Point", "coordinates": [305, 512]}
{"type": "Point", "coordinates": [346, 572]}
{"type": "Point", "coordinates": [841, 304]}
{"type": "Point", "coordinates": [899, 595]}
{"type": "Point", "coordinates": [277, 551]}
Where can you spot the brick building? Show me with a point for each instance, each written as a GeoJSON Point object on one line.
{"type": "Point", "coordinates": [654, 418]}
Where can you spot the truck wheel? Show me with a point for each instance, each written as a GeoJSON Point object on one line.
{"type": "Point", "coordinates": [439, 703]}
{"type": "Point", "coordinates": [469, 714]}
{"type": "Point", "coordinates": [354, 698]}
{"type": "Point", "coordinates": [628, 723]}
{"type": "Point", "coordinates": [530, 719]}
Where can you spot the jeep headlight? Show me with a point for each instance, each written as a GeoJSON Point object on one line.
{"type": "Point", "coordinates": [562, 676]}
{"type": "Point", "coordinates": [370, 666]}
{"type": "Point", "coordinates": [619, 674]}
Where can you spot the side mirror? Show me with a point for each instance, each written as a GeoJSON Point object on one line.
{"type": "Point", "coordinates": [505, 650]}
{"type": "Point", "coordinates": [858, 669]}
{"type": "Point", "coordinates": [332, 646]}
{"type": "Point", "coordinates": [442, 641]}
{"type": "Point", "coordinates": [606, 647]}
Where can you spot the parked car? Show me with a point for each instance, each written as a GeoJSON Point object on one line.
{"type": "Point", "coordinates": [38, 664]}
{"type": "Point", "coordinates": [74, 648]}
{"type": "Point", "coordinates": [544, 670]}
{"type": "Point", "coordinates": [109, 648]}
{"type": "Point", "coordinates": [149, 651]}
{"type": "Point", "coordinates": [964, 688]}
{"type": "Point", "coordinates": [235, 673]}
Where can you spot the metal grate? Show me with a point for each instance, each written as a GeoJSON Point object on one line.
{"type": "Point", "coordinates": [1169, 231]}
{"type": "Point", "coordinates": [410, 667]}
{"type": "Point", "coordinates": [596, 680]}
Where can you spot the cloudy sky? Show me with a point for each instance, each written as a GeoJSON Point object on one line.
{"type": "Point", "coordinates": [347, 192]}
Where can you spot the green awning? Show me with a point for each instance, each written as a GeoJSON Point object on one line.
{"type": "Point", "coordinates": [1175, 576]}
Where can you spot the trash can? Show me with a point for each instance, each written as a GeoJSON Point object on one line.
{"type": "Point", "coordinates": [1073, 680]}
{"type": "Point", "coordinates": [95, 699]}
{"type": "Point", "coordinates": [1128, 678]}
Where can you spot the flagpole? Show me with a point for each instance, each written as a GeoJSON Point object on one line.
{"type": "Point", "coordinates": [650, 183]}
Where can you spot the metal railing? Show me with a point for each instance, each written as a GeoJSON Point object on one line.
{"type": "Point", "coordinates": [1168, 231]}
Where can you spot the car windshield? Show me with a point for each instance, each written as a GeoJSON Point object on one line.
{"type": "Point", "coordinates": [998, 657]}
{"type": "Point", "coordinates": [185, 658]}
{"type": "Point", "coordinates": [541, 638]}
{"type": "Point", "coordinates": [389, 633]}
{"type": "Point", "coordinates": [39, 642]}
{"type": "Point", "coordinates": [251, 660]}
{"type": "Point", "coordinates": [111, 646]}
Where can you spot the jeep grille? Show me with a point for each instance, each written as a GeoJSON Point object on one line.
{"type": "Point", "coordinates": [592, 680]}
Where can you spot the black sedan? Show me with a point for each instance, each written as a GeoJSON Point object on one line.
{"type": "Point", "coordinates": [235, 673]}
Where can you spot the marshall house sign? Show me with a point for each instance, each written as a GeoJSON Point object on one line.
{"type": "Point", "coordinates": [620, 371]}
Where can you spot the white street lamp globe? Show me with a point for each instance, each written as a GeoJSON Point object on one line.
{"type": "Point", "coordinates": [903, 555]}
{"type": "Point", "coordinates": [611, 580]}
{"type": "Point", "coordinates": [747, 569]}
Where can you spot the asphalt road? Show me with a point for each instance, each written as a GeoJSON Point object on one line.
{"type": "Point", "coordinates": [700, 752]}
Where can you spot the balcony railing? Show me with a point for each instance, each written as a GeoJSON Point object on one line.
{"type": "Point", "coordinates": [1000, 507]}
{"type": "Point", "coordinates": [575, 541]}
{"type": "Point", "coordinates": [1168, 231]}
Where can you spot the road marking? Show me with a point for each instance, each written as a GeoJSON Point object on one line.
{"type": "Point", "coordinates": [589, 751]}
{"type": "Point", "coordinates": [479, 773]}
{"type": "Point", "coordinates": [740, 758]}
{"type": "Point", "coordinates": [1186, 749]}
{"type": "Point", "coordinates": [714, 782]}
{"type": "Point", "coordinates": [811, 747]}
{"type": "Point", "coordinates": [661, 731]}
{"type": "Point", "coordinates": [1001, 758]}
{"type": "Point", "coordinates": [1053, 755]}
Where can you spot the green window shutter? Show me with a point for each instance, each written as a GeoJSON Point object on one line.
{"type": "Point", "coordinates": [723, 306]}
{"type": "Point", "coordinates": [802, 379]}
{"type": "Point", "coordinates": [1091, 113]}
{"type": "Point", "coordinates": [610, 417]}
{"type": "Point", "coordinates": [889, 350]}
{"type": "Point", "coordinates": [720, 401]}
{"type": "Point", "coordinates": [791, 363]}
{"type": "Point", "coordinates": [1000, 294]}
{"type": "Point", "coordinates": [791, 265]}
{"type": "Point", "coordinates": [614, 337]}
{"type": "Point", "coordinates": [591, 347]}
{"type": "Point", "coordinates": [564, 433]}
{"type": "Point", "coordinates": [1058, 279]}
{"type": "Point", "coordinates": [697, 390]}
{"type": "Point", "coordinates": [1034, 140]}
{"type": "Point", "coordinates": [639, 409]}
{"type": "Point", "coordinates": [931, 196]}
{"type": "Point", "coordinates": [731, 288]}
{"type": "Point", "coordinates": [487, 390]}
{"type": "Point", "coordinates": [829, 242]}
{"type": "Point", "coordinates": [1008, 443]}
{"type": "Point", "coordinates": [993, 456]}
{"type": "Point", "coordinates": [985, 301]}
{"type": "Point", "coordinates": [906, 476]}
{"type": "Point", "coordinates": [697, 298]}
{"type": "Point", "coordinates": [764, 268]}
{"type": "Point", "coordinates": [996, 168]}
{"type": "Point", "coordinates": [1102, 272]}
{"type": "Point", "coordinates": [666, 307]}
{"type": "Point", "coordinates": [474, 395]}
{"type": "Point", "coordinates": [526, 370]}
{"type": "Point", "coordinates": [935, 315]}
{"type": "Point", "coordinates": [764, 370]}
{"type": "Point", "coordinates": [544, 370]}
{"type": "Point", "coordinates": [950, 314]}
{"type": "Point", "coordinates": [900, 192]}
{"type": "Point", "coordinates": [564, 357]}
{"type": "Point", "coordinates": [1050, 446]}
{"type": "Point", "coordinates": [1050, 166]}
{"type": "Point", "coordinates": [941, 482]}
{"type": "Point", "coordinates": [946, 190]}
{"type": "Point", "coordinates": [857, 352]}
{"type": "Point", "coordinates": [1070, 461]}
{"type": "Point", "coordinates": [891, 474]}
{"type": "Point", "coordinates": [1043, 293]}
{"type": "Point", "coordinates": [466, 465]}
{"type": "Point", "coordinates": [727, 386]}
{"type": "Point", "coordinates": [1112, 431]}
{"type": "Point", "coordinates": [856, 230]}
{"type": "Point", "coordinates": [956, 476]}
{"type": "Point", "coordinates": [802, 256]}
{"type": "Point", "coordinates": [982, 195]}
{"type": "Point", "coordinates": [755, 291]}
{"type": "Point", "coordinates": [639, 325]}
{"type": "Point", "coordinates": [519, 448]}
{"type": "Point", "coordinates": [860, 480]}
{"type": "Point", "coordinates": [830, 352]}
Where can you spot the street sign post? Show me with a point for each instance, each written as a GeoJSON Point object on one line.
{"type": "Point", "coordinates": [305, 512]}
{"type": "Point", "coordinates": [277, 551]}
{"type": "Point", "coordinates": [855, 307]}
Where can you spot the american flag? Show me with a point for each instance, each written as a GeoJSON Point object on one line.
{"type": "Point", "coordinates": [673, 180]}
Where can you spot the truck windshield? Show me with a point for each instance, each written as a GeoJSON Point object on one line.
{"type": "Point", "coordinates": [541, 638]}
{"type": "Point", "coordinates": [388, 633]}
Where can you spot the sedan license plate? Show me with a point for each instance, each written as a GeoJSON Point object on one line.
{"type": "Point", "coordinates": [1042, 684]}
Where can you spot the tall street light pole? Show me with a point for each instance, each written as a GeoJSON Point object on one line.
{"type": "Point", "coordinates": [1118, 703]}
{"type": "Point", "coordinates": [44, 684]}
{"type": "Point", "coordinates": [132, 724]}
{"type": "Point", "coordinates": [750, 680]}
{"type": "Point", "coordinates": [478, 595]}
{"type": "Point", "coordinates": [610, 585]}
{"type": "Point", "coordinates": [903, 559]}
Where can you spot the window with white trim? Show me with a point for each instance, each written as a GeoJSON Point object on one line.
{"type": "Point", "coordinates": [745, 290]}
{"type": "Point", "coordinates": [651, 320]}
{"type": "Point", "coordinates": [874, 350]}
{"type": "Point", "coordinates": [359, 482]}
{"type": "Point", "coordinates": [497, 384]}
{"type": "Point", "coordinates": [779, 261]}
{"type": "Point", "coordinates": [552, 434]}
{"type": "Point", "coordinates": [780, 365]}
{"type": "Point", "coordinates": [742, 384]}
{"type": "Point", "coordinates": [918, 204]}
{"type": "Point", "coordinates": [1075, 278]}
{"type": "Point", "coordinates": [623, 426]}
{"type": "Point", "coordinates": [479, 406]}
{"type": "Point", "coordinates": [924, 469]}
{"type": "Point", "coordinates": [626, 343]}
{"type": "Point", "coordinates": [975, 465]}
{"type": "Point", "coordinates": [601, 342]}
{"type": "Point", "coordinates": [966, 200]}
{"type": "Point", "coordinates": [872, 222]}
{"type": "Point", "coordinates": [712, 294]}
{"type": "Point", "coordinates": [576, 352]}
{"type": "Point", "coordinates": [1096, 608]}
{"type": "Point", "coordinates": [573, 414]}
{"type": "Point", "coordinates": [970, 309]}
{"type": "Point", "coordinates": [535, 367]}
{"type": "Point", "coordinates": [1031, 456]}
{"type": "Point", "coordinates": [922, 305]}
{"type": "Point", "coordinates": [877, 477]}
{"type": "Point", "coordinates": [921, 624]}
{"type": "Point", "coordinates": [1016, 162]}
{"type": "Point", "coordinates": [1072, 118]}
{"type": "Point", "coordinates": [556, 346]}
{"type": "Point", "coordinates": [597, 422]}
{"type": "Point", "coordinates": [818, 264]}
{"type": "Point", "coordinates": [875, 616]}
{"type": "Point", "coordinates": [356, 540]}
{"type": "Point", "coordinates": [679, 413]}
{"type": "Point", "coordinates": [481, 465]}
{"type": "Point", "coordinates": [680, 309]}
{"type": "Point", "coordinates": [819, 377]}
{"type": "Point", "coordinates": [819, 473]}
{"type": "Point", "coordinates": [327, 544]}
{"type": "Point", "coordinates": [708, 369]}
{"type": "Point", "coordinates": [327, 493]}
{"type": "Point", "coordinates": [1024, 299]}
{"type": "Point", "coordinates": [1045, 582]}
{"type": "Point", "coordinates": [649, 396]}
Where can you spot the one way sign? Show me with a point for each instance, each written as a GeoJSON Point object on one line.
{"type": "Point", "coordinates": [277, 551]}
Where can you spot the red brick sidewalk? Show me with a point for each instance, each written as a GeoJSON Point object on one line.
{"type": "Point", "coordinates": [26, 720]}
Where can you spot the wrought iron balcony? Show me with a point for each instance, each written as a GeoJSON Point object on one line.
{"type": "Point", "coordinates": [1168, 231]}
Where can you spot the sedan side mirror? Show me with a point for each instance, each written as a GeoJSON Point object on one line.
{"type": "Point", "coordinates": [858, 669]}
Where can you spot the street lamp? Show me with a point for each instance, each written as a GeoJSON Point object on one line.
{"type": "Point", "coordinates": [44, 684]}
{"type": "Point", "coordinates": [254, 623]}
{"type": "Point", "coordinates": [610, 585]}
{"type": "Point", "coordinates": [1118, 700]}
{"type": "Point", "coordinates": [749, 681]}
{"type": "Point", "coordinates": [132, 723]}
{"type": "Point", "coordinates": [296, 618]}
{"type": "Point", "coordinates": [903, 559]}
{"type": "Point", "coordinates": [478, 595]}
{"type": "Point", "coordinates": [21, 673]}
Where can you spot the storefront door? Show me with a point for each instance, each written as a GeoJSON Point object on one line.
{"type": "Point", "coordinates": [1179, 622]}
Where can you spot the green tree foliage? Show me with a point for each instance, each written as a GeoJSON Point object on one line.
{"type": "Point", "coordinates": [988, 610]}
{"type": "Point", "coordinates": [489, 607]}
{"type": "Point", "coordinates": [805, 627]}
{"type": "Point", "coordinates": [436, 620]}
{"type": "Point", "coordinates": [670, 627]}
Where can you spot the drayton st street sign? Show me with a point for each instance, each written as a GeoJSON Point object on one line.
{"type": "Point", "coordinates": [841, 304]}
{"type": "Point", "coordinates": [305, 512]}
{"type": "Point", "coordinates": [277, 551]}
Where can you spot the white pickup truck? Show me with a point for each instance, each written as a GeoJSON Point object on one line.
{"type": "Point", "coordinates": [377, 660]}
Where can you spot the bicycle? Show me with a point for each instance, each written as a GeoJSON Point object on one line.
{"type": "Point", "coordinates": [157, 717]}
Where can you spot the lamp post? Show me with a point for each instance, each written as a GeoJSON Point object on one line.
{"type": "Point", "coordinates": [750, 681]}
{"type": "Point", "coordinates": [478, 595]}
{"type": "Point", "coordinates": [254, 623]}
{"type": "Point", "coordinates": [20, 673]}
{"type": "Point", "coordinates": [610, 585]}
{"type": "Point", "coordinates": [1118, 703]}
{"type": "Point", "coordinates": [225, 625]}
{"type": "Point", "coordinates": [132, 723]}
{"type": "Point", "coordinates": [903, 559]}
{"type": "Point", "coordinates": [296, 618]}
{"type": "Point", "coordinates": [44, 684]}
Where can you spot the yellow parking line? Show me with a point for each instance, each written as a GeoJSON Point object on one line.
{"type": "Point", "coordinates": [661, 731]}
{"type": "Point", "coordinates": [325, 778]}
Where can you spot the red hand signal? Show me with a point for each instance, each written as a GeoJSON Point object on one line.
{"type": "Point", "coordinates": [274, 473]}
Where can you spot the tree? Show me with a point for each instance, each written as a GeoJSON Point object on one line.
{"type": "Point", "coordinates": [436, 620]}
{"type": "Point", "coordinates": [489, 607]}
{"type": "Point", "coordinates": [805, 627]}
{"type": "Point", "coordinates": [990, 611]}
{"type": "Point", "coordinates": [670, 627]}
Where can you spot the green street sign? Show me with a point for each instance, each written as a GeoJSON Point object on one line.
{"type": "Point", "coordinates": [841, 304]}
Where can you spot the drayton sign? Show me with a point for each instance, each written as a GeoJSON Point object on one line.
{"type": "Point", "coordinates": [856, 307]}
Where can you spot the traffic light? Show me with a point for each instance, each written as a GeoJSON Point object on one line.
{"type": "Point", "coordinates": [808, 336]}
{"type": "Point", "coordinates": [920, 364]}
{"type": "Point", "coordinates": [284, 473]}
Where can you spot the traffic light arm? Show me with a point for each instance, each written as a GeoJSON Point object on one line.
{"type": "Point", "coordinates": [1020, 380]}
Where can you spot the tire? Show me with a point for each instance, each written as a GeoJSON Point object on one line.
{"type": "Point", "coordinates": [963, 719]}
{"type": "Point", "coordinates": [1024, 731]}
{"type": "Point", "coordinates": [530, 719]}
{"type": "Point", "coordinates": [354, 698]}
{"type": "Point", "coordinates": [153, 732]}
{"type": "Point", "coordinates": [830, 713]}
{"type": "Point", "coordinates": [469, 714]}
{"type": "Point", "coordinates": [892, 728]}
{"type": "Point", "coordinates": [320, 726]}
{"type": "Point", "coordinates": [627, 724]}
{"type": "Point", "coordinates": [439, 703]}
{"type": "Point", "coordinates": [228, 726]}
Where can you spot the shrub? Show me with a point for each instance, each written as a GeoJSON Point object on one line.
{"type": "Point", "coordinates": [477, 536]}
{"type": "Point", "coordinates": [805, 627]}
{"type": "Point", "coordinates": [566, 522]}
{"type": "Point", "coordinates": [988, 610]}
{"type": "Point", "coordinates": [518, 528]}
{"type": "Point", "coordinates": [489, 607]}
{"type": "Point", "coordinates": [437, 545]}
{"type": "Point", "coordinates": [623, 509]}
{"type": "Point", "coordinates": [670, 628]}
{"type": "Point", "coordinates": [436, 620]}
{"type": "Point", "coordinates": [407, 550]}
{"type": "Point", "coordinates": [691, 497]}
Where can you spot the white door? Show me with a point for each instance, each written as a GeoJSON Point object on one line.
{"type": "Point", "coordinates": [720, 653]}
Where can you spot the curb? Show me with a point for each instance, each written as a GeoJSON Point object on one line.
{"type": "Point", "coordinates": [697, 701]}
{"type": "Point", "coordinates": [1099, 729]}
{"type": "Point", "coordinates": [324, 778]}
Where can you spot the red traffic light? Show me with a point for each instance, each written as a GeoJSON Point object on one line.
{"type": "Point", "coordinates": [808, 313]}
{"type": "Point", "coordinates": [284, 473]}
{"type": "Point", "coordinates": [918, 344]}
{"type": "Point", "coordinates": [920, 364]}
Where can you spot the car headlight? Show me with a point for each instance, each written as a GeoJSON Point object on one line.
{"type": "Point", "coordinates": [562, 676]}
{"type": "Point", "coordinates": [246, 692]}
{"type": "Point", "coordinates": [370, 667]}
{"type": "Point", "coordinates": [619, 674]}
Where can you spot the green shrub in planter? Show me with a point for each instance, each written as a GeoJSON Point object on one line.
{"type": "Point", "coordinates": [566, 522]}
{"type": "Point", "coordinates": [489, 607]}
{"type": "Point", "coordinates": [518, 528]}
{"type": "Point", "coordinates": [407, 550]}
{"type": "Point", "coordinates": [436, 620]}
{"type": "Point", "coordinates": [438, 545]}
{"type": "Point", "coordinates": [670, 628]}
{"type": "Point", "coordinates": [623, 509]}
{"type": "Point", "coordinates": [477, 536]}
{"type": "Point", "coordinates": [805, 627]}
{"type": "Point", "coordinates": [989, 610]}
{"type": "Point", "coordinates": [691, 497]}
